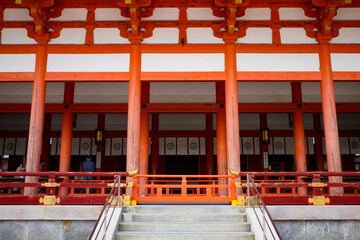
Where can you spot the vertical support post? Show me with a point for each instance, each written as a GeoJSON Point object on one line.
{"type": "Point", "coordinates": [222, 168]}
{"type": "Point", "coordinates": [144, 138]}
{"type": "Point", "coordinates": [36, 118]}
{"type": "Point", "coordinates": [134, 106]}
{"type": "Point", "coordinates": [46, 143]}
{"type": "Point", "coordinates": [330, 120]}
{"type": "Point", "coordinates": [155, 144]}
{"type": "Point", "coordinates": [209, 145]}
{"type": "Point", "coordinates": [299, 135]}
{"type": "Point", "coordinates": [66, 135]}
{"type": "Point", "coordinates": [319, 158]}
{"type": "Point", "coordinates": [231, 107]}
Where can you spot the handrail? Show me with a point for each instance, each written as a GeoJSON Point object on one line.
{"type": "Point", "coordinates": [263, 209]}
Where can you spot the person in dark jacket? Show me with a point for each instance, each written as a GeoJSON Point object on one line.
{"type": "Point", "coordinates": [88, 166]}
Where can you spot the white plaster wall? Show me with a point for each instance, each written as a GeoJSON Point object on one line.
{"type": "Point", "coordinates": [348, 14]}
{"type": "Point", "coordinates": [70, 36]}
{"type": "Point", "coordinates": [345, 62]}
{"type": "Point", "coordinates": [14, 122]}
{"type": "Point", "coordinates": [259, 92]}
{"type": "Point", "coordinates": [15, 92]}
{"type": "Point", "coordinates": [17, 62]}
{"type": "Point", "coordinates": [277, 62]}
{"type": "Point", "coordinates": [55, 92]}
{"type": "Point", "coordinates": [108, 36]}
{"type": "Point", "coordinates": [182, 92]}
{"type": "Point", "coordinates": [201, 14]}
{"type": "Point", "coordinates": [347, 35]}
{"type": "Point", "coordinates": [170, 14]}
{"type": "Point", "coordinates": [101, 92]}
{"type": "Point", "coordinates": [202, 35]}
{"type": "Point", "coordinates": [182, 62]}
{"type": "Point", "coordinates": [116, 122]}
{"type": "Point", "coordinates": [108, 14]}
{"type": "Point", "coordinates": [75, 14]}
{"type": "Point", "coordinates": [249, 121]}
{"type": "Point", "coordinates": [56, 121]}
{"type": "Point", "coordinates": [348, 121]}
{"type": "Point", "coordinates": [257, 35]}
{"type": "Point", "coordinates": [293, 14]}
{"type": "Point", "coordinates": [261, 14]}
{"type": "Point", "coordinates": [88, 63]}
{"type": "Point", "coordinates": [278, 121]}
{"type": "Point", "coordinates": [163, 35]}
{"type": "Point", "coordinates": [295, 36]}
{"type": "Point", "coordinates": [11, 14]}
{"type": "Point", "coordinates": [15, 36]}
{"type": "Point", "coordinates": [182, 122]}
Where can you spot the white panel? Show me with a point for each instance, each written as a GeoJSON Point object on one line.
{"type": "Point", "coordinates": [85, 146]}
{"type": "Point", "coordinates": [215, 146]}
{"type": "Point", "coordinates": [347, 35]}
{"type": "Point", "coordinates": [347, 92]}
{"type": "Point", "coordinates": [248, 145]}
{"type": "Point", "coordinates": [75, 144]}
{"type": "Point", "coordinates": [289, 144]}
{"type": "Point", "coordinates": [257, 145]}
{"type": "Point", "coordinates": [170, 147]}
{"type": "Point", "coordinates": [161, 146]}
{"type": "Point", "coordinates": [294, 36]}
{"type": "Point", "coordinates": [247, 121]}
{"type": "Point", "coordinates": [86, 122]}
{"type": "Point", "coordinates": [193, 145]}
{"type": "Point", "coordinates": [9, 146]}
{"type": "Point", "coordinates": [202, 146]}
{"type": "Point", "coordinates": [11, 14]}
{"type": "Point", "coordinates": [116, 147]}
{"type": "Point", "coordinates": [1, 145]}
{"type": "Point", "coordinates": [182, 122]}
{"type": "Point", "coordinates": [21, 144]}
{"type": "Point", "coordinates": [55, 92]}
{"type": "Point", "coordinates": [323, 145]}
{"type": "Point", "coordinates": [279, 146]}
{"type": "Point", "coordinates": [116, 122]}
{"type": "Point", "coordinates": [53, 146]}
{"type": "Point", "coordinates": [109, 14]}
{"type": "Point", "coordinates": [311, 92]}
{"type": "Point", "coordinates": [270, 146]}
{"type": "Point", "coordinates": [15, 93]}
{"type": "Point", "coordinates": [310, 145]}
{"type": "Point", "coordinates": [347, 14]}
{"type": "Point", "coordinates": [202, 35]}
{"type": "Point", "coordinates": [345, 62]}
{"type": "Point", "coordinates": [58, 146]}
{"type": "Point", "coordinates": [182, 93]}
{"type": "Point", "coordinates": [277, 62]}
{"type": "Point", "coordinates": [88, 63]}
{"type": "Point", "coordinates": [17, 62]}
{"type": "Point", "coordinates": [68, 14]}
{"type": "Point", "coordinates": [182, 62]}
{"type": "Point", "coordinates": [256, 14]}
{"type": "Point", "coordinates": [201, 14]}
{"type": "Point", "coordinates": [182, 146]}
{"type": "Point", "coordinates": [70, 36]}
{"type": "Point", "coordinates": [292, 14]}
{"type": "Point", "coordinates": [163, 35]}
{"type": "Point", "coordinates": [274, 92]}
{"type": "Point", "coordinates": [108, 36]}
{"type": "Point", "coordinates": [354, 145]}
{"type": "Point", "coordinates": [124, 152]}
{"type": "Point", "coordinates": [344, 145]}
{"type": "Point", "coordinates": [257, 35]}
{"type": "Point", "coordinates": [164, 14]}
{"type": "Point", "coordinates": [107, 146]}
{"type": "Point", "coordinates": [15, 36]}
{"type": "Point", "coordinates": [101, 92]}
{"type": "Point", "coordinates": [278, 121]}
{"type": "Point", "coordinates": [93, 146]}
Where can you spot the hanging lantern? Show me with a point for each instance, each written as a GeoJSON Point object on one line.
{"type": "Point", "coordinates": [265, 136]}
{"type": "Point", "coordinates": [99, 136]}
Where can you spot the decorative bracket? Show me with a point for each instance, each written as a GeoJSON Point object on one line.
{"type": "Point", "coordinates": [49, 200]}
{"type": "Point", "coordinates": [319, 200]}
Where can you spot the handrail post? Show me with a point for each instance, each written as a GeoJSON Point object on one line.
{"type": "Point", "coordinates": [232, 187]}
{"type": "Point", "coordinates": [248, 188]}
{"type": "Point", "coordinates": [183, 186]}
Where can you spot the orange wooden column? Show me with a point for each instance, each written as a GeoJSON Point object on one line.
{"type": "Point", "coordinates": [299, 135]}
{"type": "Point", "coordinates": [231, 107]}
{"type": "Point", "coordinates": [36, 118]}
{"type": "Point", "coordinates": [134, 106]}
{"type": "Point", "coordinates": [66, 135]}
{"type": "Point", "coordinates": [330, 120]}
{"type": "Point", "coordinates": [155, 144]}
{"type": "Point", "coordinates": [144, 138]}
{"type": "Point", "coordinates": [222, 168]}
{"type": "Point", "coordinates": [209, 168]}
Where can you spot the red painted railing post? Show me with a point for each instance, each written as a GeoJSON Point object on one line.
{"type": "Point", "coordinates": [232, 187]}
{"type": "Point", "coordinates": [183, 186]}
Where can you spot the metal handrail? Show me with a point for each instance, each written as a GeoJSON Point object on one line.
{"type": "Point", "coordinates": [102, 220]}
{"type": "Point", "coordinates": [263, 209]}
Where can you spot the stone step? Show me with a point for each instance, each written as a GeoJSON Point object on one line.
{"type": "Point", "coordinates": [184, 236]}
{"type": "Point", "coordinates": [184, 217]}
{"type": "Point", "coordinates": [185, 227]}
{"type": "Point", "coordinates": [184, 208]}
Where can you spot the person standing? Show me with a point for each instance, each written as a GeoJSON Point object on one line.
{"type": "Point", "coordinates": [88, 166]}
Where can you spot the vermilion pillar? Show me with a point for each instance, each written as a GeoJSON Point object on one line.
{"type": "Point", "coordinates": [144, 138]}
{"type": "Point", "coordinates": [36, 118]}
{"type": "Point", "coordinates": [66, 135]}
{"type": "Point", "coordinates": [231, 108]}
{"type": "Point", "coordinates": [209, 146]}
{"type": "Point", "coordinates": [222, 168]}
{"type": "Point", "coordinates": [134, 105]}
{"type": "Point", "coordinates": [299, 135]}
{"type": "Point", "coordinates": [330, 120]}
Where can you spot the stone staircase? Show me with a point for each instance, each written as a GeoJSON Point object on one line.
{"type": "Point", "coordinates": [188, 222]}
